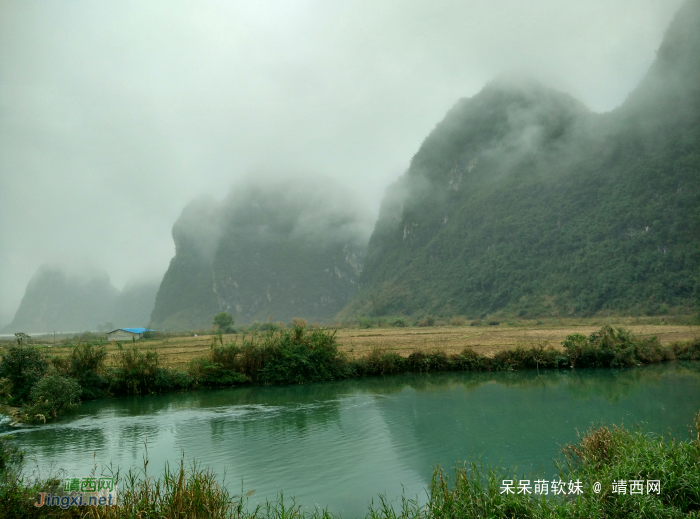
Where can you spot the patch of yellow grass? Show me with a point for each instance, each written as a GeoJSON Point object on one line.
{"type": "Point", "coordinates": [486, 340]}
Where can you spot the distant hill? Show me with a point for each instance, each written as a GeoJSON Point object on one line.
{"type": "Point", "coordinates": [524, 202]}
{"type": "Point", "coordinates": [272, 249]}
{"type": "Point", "coordinates": [56, 301]}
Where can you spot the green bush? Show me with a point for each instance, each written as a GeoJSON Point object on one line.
{"type": "Point", "coordinates": [51, 395]}
{"type": "Point", "coordinates": [574, 345]}
{"type": "Point", "coordinates": [399, 323]}
{"type": "Point", "coordinates": [172, 380]}
{"type": "Point", "coordinates": [87, 365]}
{"type": "Point", "coordinates": [616, 348]}
{"type": "Point", "coordinates": [687, 350]}
{"type": "Point", "coordinates": [297, 356]}
{"type": "Point", "coordinates": [135, 371]}
{"type": "Point", "coordinates": [227, 356]}
{"type": "Point", "coordinates": [469, 360]}
{"type": "Point", "coordinates": [205, 373]}
{"type": "Point", "coordinates": [378, 362]}
{"type": "Point", "coordinates": [23, 366]}
{"type": "Point", "coordinates": [419, 362]}
{"type": "Point", "coordinates": [365, 322]}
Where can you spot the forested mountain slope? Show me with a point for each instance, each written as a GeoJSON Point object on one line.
{"type": "Point", "coordinates": [522, 201]}
{"type": "Point", "coordinates": [273, 249]}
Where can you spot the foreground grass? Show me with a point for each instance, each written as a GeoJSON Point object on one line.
{"type": "Point", "coordinates": [604, 454]}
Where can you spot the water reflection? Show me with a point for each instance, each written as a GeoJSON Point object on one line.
{"type": "Point", "coordinates": [339, 444]}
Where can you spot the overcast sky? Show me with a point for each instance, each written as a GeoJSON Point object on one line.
{"type": "Point", "coordinates": [114, 115]}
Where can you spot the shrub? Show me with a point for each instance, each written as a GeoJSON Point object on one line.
{"type": "Point", "coordinates": [172, 380]}
{"type": "Point", "coordinates": [428, 320]}
{"type": "Point", "coordinates": [23, 366]}
{"type": "Point", "coordinates": [210, 374]}
{"type": "Point", "coordinates": [469, 360]}
{"type": "Point", "coordinates": [227, 357]}
{"type": "Point", "coordinates": [650, 351]}
{"type": "Point", "coordinates": [378, 362]}
{"type": "Point", "coordinates": [574, 345]}
{"type": "Point", "coordinates": [268, 327]}
{"type": "Point", "coordinates": [420, 361]}
{"type": "Point", "coordinates": [60, 365]}
{"type": "Point", "coordinates": [399, 323]}
{"type": "Point", "coordinates": [297, 356]}
{"type": "Point", "coordinates": [135, 371]}
{"type": "Point", "coordinates": [365, 322]}
{"type": "Point", "coordinates": [689, 350]}
{"type": "Point", "coordinates": [458, 321]}
{"type": "Point", "coordinates": [50, 396]}
{"type": "Point", "coordinates": [87, 365]}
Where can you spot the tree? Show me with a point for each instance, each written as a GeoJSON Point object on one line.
{"type": "Point", "coordinates": [87, 366]}
{"type": "Point", "coordinates": [224, 321]}
{"type": "Point", "coordinates": [23, 366]}
{"type": "Point", "coordinates": [52, 395]}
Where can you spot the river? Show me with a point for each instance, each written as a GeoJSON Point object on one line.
{"type": "Point", "coordinates": [338, 445]}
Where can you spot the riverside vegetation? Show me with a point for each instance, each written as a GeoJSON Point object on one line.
{"type": "Point", "coordinates": [42, 387]}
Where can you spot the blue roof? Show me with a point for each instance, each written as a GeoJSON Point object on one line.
{"type": "Point", "coordinates": [136, 330]}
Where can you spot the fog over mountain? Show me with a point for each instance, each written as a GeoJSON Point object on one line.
{"type": "Point", "coordinates": [115, 116]}
{"type": "Point", "coordinates": [523, 201]}
{"type": "Point", "coordinates": [272, 249]}
{"type": "Point", "coordinates": [63, 302]}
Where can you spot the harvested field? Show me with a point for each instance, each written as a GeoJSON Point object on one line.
{"type": "Point", "coordinates": [486, 340]}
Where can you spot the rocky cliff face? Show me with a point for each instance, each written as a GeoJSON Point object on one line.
{"type": "Point", "coordinates": [271, 250]}
{"type": "Point", "coordinates": [523, 201]}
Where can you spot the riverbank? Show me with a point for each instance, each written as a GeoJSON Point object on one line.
{"type": "Point", "coordinates": [660, 476]}
{"type": "Point", "coordinates": [44, 385]}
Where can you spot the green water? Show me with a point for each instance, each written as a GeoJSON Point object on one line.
{"type": "Point", "coordinates": [337, 445]}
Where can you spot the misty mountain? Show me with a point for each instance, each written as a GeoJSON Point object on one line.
{"type": "Point", "coordinates": [271, 249]}
{"type": "Point", "coordinates": [56, 301]}
{"type": "Point", "coordinates": [523, 201]}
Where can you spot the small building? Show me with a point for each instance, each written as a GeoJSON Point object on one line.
{"type": "Point", "coordinates": [127, 334]}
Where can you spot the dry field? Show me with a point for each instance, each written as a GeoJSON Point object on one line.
{"type": "Point", "coordinates": [487, 340]}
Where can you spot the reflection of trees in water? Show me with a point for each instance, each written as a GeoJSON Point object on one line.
{"type": "Point", "coordinates": [615, 384]}
{"type": "Point", "coordinates": [131, 437]}
{"type": "Point", "coordinates": [452, 415]}
{"type": "Point", "coordinates": [606, 383]}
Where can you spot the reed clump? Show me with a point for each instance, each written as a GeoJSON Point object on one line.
{"type": "Point", "coordinates": [187, 491]}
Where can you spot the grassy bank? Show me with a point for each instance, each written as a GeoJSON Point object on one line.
{"type": "Point", "coordinates": [604, 454]}
{"type": "Point", "coordinates": [45, 386]}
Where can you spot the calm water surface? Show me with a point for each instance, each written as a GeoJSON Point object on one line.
{"type": "Point", "coordinates": [338, 445]}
